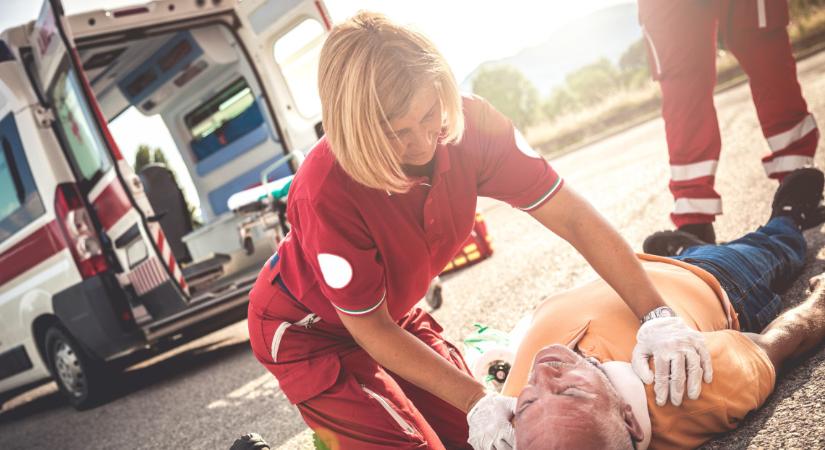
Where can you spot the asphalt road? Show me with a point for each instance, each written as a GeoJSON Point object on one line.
{"type": "Point", "coordinates": [205, 394]}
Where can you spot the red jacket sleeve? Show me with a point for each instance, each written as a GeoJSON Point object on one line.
{"type": "Point", "coordinates": [508, 169]}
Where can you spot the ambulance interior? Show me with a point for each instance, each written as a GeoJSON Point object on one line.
{"type": "Point", "coordinates": [201, 85]}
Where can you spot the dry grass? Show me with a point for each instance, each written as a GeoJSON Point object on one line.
{"type": "Point", "coordinates": [577, 126]}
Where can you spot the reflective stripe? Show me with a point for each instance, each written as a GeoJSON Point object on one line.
{"type": "Point", "coordinates": [358, 312]}
{"type": "Point", "coordinates": [544, 197]}
{"type": "Point", "coordinates": [393, 413]}
{"type": "Point", "coordinates": [276, 341]}
{"type": "Point", "coordinates": [782, 140]}
{"type": "Point", "coordinates": [686, 172]}
{"type": "Point", "coordinates": [653, 51]}
{"type": "Point", "coordinates": [308, 320]}
{"type": "Point", "coordinates": [786, 163]}
{"type": "Point", "coordinates": [698, 206]}
{"type": "Point", "coordinates": [760, 10]}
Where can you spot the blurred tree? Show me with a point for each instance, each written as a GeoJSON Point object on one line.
{"type": "Point", "coordinates": [509, 91]}
{"type": "Point", "coordinates": [160, 158]}
{"type": "Point", "coordinates": [560, 102]}
{"type": "Point", "coordinates": [635, 57]}
{"type": "Point", "coordinates": [594, 82]}
{"type": "Point", "coordinates": [143, 157]}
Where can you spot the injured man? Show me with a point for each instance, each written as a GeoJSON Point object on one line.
{"type": "Point", "coordinates": [576, 388]}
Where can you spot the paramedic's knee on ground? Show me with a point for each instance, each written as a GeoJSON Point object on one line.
{"type": "Point", "coordinates": [570, 403]}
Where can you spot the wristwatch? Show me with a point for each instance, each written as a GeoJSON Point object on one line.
{"type": "Point", "coordinates": [662, 311]}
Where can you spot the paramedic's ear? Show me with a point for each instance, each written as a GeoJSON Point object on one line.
{"type": "Point", "coordinates": [632, 425]}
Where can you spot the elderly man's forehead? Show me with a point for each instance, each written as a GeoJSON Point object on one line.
{"type": "Point", "coordinates": [573, 428]}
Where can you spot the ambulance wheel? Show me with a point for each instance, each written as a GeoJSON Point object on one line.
{"type": "Point", "coordinates": [79, 376]}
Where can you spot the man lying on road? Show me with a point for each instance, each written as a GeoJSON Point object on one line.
{"type": "Point", "coordinates": [576, 390]}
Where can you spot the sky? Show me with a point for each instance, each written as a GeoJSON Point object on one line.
{"type": "Point", "coordinates": [467, 32]}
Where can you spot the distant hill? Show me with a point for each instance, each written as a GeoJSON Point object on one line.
{"type": "Point", "coordinates": [604, 33]}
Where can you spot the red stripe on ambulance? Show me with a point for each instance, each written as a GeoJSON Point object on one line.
{"type": "Point", "coordinates": [112, 204]}
{"type": "Point", "coordinates": [31, 251]}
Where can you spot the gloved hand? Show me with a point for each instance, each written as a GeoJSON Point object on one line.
{"type": "Point", "coordinates": [679, 354]}
{"type": "Point", "coordinates": [489, 420]}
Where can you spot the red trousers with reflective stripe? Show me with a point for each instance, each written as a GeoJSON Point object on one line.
{"type": "Point", "coordinates": [370, 408]}
{"type": "Point", "coordinates": [344, 395]}
{"type": "Point", "coordinates": [681, 36]}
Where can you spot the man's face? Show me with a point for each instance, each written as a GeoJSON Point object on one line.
{"type": "Point", "coordinates": [568, 403]}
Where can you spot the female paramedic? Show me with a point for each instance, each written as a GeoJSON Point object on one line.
{"type": "Point", "coordinates": [378, 208]}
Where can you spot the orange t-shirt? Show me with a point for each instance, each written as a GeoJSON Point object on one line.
{"type": "Point", "coordinates": [743, 376]}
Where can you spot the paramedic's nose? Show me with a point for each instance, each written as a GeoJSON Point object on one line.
{"type": "Point", "coordinates": [424, 139]}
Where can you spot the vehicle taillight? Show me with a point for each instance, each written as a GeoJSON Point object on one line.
{"type": "Point", "coordinates": [79, 231]}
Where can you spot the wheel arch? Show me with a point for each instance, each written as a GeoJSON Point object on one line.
{"type": "Point", "coordinates": [39, 328]}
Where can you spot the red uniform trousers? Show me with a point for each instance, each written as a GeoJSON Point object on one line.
{"type": "Point", "coordinates": [344, 395]}
{"type": "Point", "coordinates": [681, 37]}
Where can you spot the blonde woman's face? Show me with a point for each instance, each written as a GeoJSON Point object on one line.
{"type": "Point", "coordinates": [415, 134]}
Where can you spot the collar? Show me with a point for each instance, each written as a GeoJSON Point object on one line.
{"type": "Point", "coordinates": [442, 159]}
{"type": "Point", "coordinates": [631, 389]}
{"type": "Point", "coordinates": [442, 165]}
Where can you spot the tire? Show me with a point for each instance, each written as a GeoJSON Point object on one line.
{"type": "Point", "coordinates": [80, 377]}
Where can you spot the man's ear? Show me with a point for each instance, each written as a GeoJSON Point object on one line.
{"type": "Point", "coordinates": [632, 425]}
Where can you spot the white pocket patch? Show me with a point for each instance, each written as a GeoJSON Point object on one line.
{"type": "Point", "coordinates": [336, 270]}
{"type": "Point", "coordinates": [522, 145]}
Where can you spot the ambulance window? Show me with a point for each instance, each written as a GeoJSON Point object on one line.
{"type": "Point", "coordinates": [222, 119]}
{"type": "Point", "coordinates": [77, 128]}
{"type": "Point", "coordinates": [10, 187]}
{"type": "Point", "coordinates": [297, 53]}
{"type": "Point", "coordinates": [20, 202]}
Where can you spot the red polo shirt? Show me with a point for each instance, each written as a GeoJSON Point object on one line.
{"type": "Point", "coordinates": [352, 247]}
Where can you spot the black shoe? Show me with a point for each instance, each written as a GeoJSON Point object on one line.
{"type": "Point", "coordinates": [799, 196]}
{"type": "Point", "coordinates": [670, 242]}
{"type": "Point", "coordinates": [703, 231]}
{"type": "Point", "coordinates": [250, 441]}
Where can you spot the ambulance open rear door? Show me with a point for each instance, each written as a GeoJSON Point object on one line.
{"type": "Point", "coordinates": [110, 194]}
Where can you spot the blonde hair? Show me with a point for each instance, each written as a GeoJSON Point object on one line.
{"type": "Point", "coordinates": [370, 68]}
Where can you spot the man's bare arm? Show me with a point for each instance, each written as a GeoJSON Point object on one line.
{"type": "Point", "coordinates": [796, 331]}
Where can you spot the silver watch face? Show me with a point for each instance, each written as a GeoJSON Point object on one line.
{"type": "Point", "coordinates": [662, 311]}
{"type": "Point", "coordinates": [666, 312]}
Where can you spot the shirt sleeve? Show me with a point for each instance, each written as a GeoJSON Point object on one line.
{"type": "Point", "coordinates": [508, 168]}
{"type": "Point", "coordinates": [342, 255]}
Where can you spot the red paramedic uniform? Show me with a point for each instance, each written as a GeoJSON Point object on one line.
{"type": "Point", "coordinates": [681, 41]}
{"type": "Point", "coordinates": [350, 249]}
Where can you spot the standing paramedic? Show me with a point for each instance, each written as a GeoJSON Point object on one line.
{"type": "Point", "coordinates": [681, 38]}
{"type": "Point", "coordinates": [378, 208]}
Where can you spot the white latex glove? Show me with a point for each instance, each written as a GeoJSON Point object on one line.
{"type": "Point", "coordinates": [679, 355]}
{"type": "Point", "coordinates": [489, 420]}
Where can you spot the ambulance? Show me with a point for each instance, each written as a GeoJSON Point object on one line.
{"type": "Point", "coordinates": [101, 266]}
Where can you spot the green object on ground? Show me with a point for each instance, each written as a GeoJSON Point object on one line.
{"type": "Point", "coordinates": [319, 444]}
